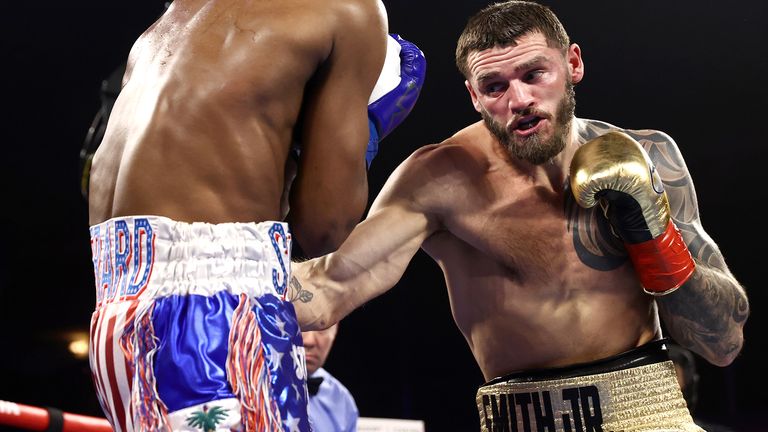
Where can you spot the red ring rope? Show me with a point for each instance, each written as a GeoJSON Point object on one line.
{"type": "Point", "coordinates": [33, 418]}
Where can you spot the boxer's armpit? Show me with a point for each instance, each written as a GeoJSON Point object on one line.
{"type": "Point", "coordinates": [297, 293]}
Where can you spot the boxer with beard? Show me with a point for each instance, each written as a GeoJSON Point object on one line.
{"type": "Point", "coordinates": [560, 300]}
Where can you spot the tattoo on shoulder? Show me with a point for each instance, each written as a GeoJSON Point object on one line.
{"type": "Point", "coordinates": [594, 241]}
{"type": "Point", "coordinates": [670, 165]}
{"type": "Point", "coordinates": [593, 129]}
{"type": "Point", "coordinates": [298, 293]}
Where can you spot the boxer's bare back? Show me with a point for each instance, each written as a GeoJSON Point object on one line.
{"type": "Point", "coordinates": [215, 94]}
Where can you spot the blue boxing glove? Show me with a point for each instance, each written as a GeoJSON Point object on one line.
{"type": "Point", "coordinates": [395, 92]}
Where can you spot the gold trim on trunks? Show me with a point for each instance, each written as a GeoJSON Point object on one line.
{"type": "Point", "coordinates": [644, 398]}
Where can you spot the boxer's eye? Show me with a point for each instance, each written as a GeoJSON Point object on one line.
{"type": "Point", "coordinates": [533, 75]}
{"type": "Point", "coordinates": [494, 88]}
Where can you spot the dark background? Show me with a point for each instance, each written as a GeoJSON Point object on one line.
{"type": "Point", "coordinates": [695, 69]}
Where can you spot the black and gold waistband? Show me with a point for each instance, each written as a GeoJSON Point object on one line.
{"type": "Point", "coordinates": [635, 391]}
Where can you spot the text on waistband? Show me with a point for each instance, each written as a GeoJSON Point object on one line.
{"type": "Point", "coordinates": [577, 409]}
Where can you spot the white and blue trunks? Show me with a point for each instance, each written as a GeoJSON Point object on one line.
{"type": "Point", "coordinates": [191, 330]}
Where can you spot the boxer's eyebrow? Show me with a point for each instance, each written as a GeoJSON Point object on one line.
{"type": "Point", "coordinates": [522, 67]}
{"type": "Point", "coordinates": [485, 77]}
{"type": "Point", "coordinates": [532, 63]}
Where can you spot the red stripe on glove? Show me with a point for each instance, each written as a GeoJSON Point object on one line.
{"type": "Point", "coordinates": [664, 263]}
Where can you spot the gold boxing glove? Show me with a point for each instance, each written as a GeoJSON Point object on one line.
{"type": "Point", "coordinates": [614, 170]}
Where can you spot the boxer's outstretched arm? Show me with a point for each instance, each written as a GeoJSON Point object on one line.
{"type": "Point", "coordinates": [373, 257]}
{"type": "Point", "coordinates": [707, 314]}
{"type": "Point", "coordinates": [370, 262]}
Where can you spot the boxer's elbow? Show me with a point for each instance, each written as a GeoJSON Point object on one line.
{"type": "Point", "coordinates": [721, 348]}
{"type": "Point", "coordinates": [329, 239]}
{"type": "Point", "coordinates": [732, 338]}
{"type": "Point", "coordinates": [323, 234]}
{"type": "Point", "coordinates": [730, 349]}
{"type": "Point", "coordinates": [325, 206]}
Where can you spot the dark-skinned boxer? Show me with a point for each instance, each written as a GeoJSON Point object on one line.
{"type": "Point", "coordinates": [194, 202]}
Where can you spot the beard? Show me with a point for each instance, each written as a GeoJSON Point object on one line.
{"type": "Point", "coordinates": [534, 148]}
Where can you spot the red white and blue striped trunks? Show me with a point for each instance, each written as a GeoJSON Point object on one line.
{"type": "Point", "coordinates": [191, 331]}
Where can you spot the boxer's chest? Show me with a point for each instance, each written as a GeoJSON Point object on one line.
{"type": "Point", "coordinates": [536, 229]}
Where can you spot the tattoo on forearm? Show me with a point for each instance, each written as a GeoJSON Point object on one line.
{"type": "Point", "coordinates": [707, 313]}
{"type": "Point", "coordinates": [298, 293]}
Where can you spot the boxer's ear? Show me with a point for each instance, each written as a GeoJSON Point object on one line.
{"type": "Point", "coordinates": [473, 95]}
{"type": "Point", "coordinates": [575, 63]}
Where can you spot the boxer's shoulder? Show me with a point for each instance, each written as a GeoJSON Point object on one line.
{"type": "Point", "coordinates": [591, 128]}
{"type": "Point", "coordinates": [431, 178]}
{"type": "Point", "coordinates": [456, 151]}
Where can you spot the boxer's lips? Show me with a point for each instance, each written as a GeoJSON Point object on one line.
{"type": "Point", "coordinates": [527, 125]}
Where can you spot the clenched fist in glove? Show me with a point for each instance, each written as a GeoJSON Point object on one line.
{"type": "Point", "coordinates": [615, 170]}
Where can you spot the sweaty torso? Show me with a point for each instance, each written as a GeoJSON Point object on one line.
{"type": "Point", "coordinates": [534, 280]}
{"type": "Point", "coordinates": [212, 96]}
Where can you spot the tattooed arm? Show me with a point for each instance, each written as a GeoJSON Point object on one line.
{"type": "Point", "coordinates": [374, 256]}
{"type": "Point", "coordinates": [707, 314]}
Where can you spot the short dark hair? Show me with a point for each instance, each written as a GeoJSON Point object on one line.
{"type": "Point", "coordinates": [502, 24]}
